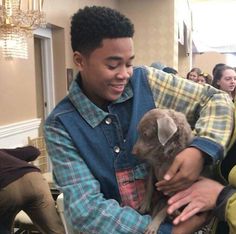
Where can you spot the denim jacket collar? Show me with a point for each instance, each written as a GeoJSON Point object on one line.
{"type": "Point", "coordinates": [92, 114]}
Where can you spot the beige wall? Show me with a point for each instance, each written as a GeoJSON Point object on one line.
{"type": "Point", "coordinates": [207, 61]}
{"type": "Point", "coordinates": [155, 40]}
{"type": "Point", "coordinates": [156, 31]}
{"type": "Point", "coordinates": [17, 89]}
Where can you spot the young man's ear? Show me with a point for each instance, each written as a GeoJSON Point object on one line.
{"type": "Point", "coordinates": [78, 60]}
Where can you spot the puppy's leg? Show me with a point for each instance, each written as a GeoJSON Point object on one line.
{"type": "Point", "coordinates": [146, 204]}
{"type": "Point", "coordinates": [156, 222]}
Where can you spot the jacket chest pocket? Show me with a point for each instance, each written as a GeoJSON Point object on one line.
{"type": "Point", "coordinates": [131, 184]}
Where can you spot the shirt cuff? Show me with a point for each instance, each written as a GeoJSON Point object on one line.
{"type": "Point", "coordinates": [225, 194]}
{"type": "Point", "coordinates": [213, 150]}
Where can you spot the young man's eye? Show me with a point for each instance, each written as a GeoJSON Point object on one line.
{"type": "Point", "coordinates": [112, 67]}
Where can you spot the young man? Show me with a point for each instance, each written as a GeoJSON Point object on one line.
{"type": "Point", "coordinates": [90, 134]}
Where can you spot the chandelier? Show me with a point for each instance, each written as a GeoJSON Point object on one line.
{"type": "Point", "coordinates": [18, 19]}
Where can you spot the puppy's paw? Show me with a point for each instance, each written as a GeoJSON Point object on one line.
{"type": "Point", "coordinates": [152, 229]}
{"type": "Point", "coordinates": [145, 207]}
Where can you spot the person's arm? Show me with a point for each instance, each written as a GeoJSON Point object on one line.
{"type": "Point", "coordinates": [201, 196]}
{"type": "Point", "coordinates": [230, 213]}
{"type": "Point", "coordinates": [26, 153]}
{"type": "Point", "coordinates": [205, 195]}
{"type": "Point", "coordinates": [85, 206]}
{"type": "Point", "coordinates": [208, 110]}
{"type": "Point", "coordinates": [223, 200]}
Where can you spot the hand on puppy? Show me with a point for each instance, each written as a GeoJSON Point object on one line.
{"type": "Point", "coordinates": [184, 170]}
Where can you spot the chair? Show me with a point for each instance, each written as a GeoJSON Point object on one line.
{"type": "Point", "coordinates": [42, 162]}
{"type": "Point", "coordinates": [23, 224]}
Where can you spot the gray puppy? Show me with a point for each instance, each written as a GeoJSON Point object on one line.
{"type": "Point", "coordinates": [163, 133]}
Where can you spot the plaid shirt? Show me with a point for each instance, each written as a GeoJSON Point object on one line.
{"type": "Point", "coordinates": [85, 206]}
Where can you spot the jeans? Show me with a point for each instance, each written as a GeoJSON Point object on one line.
{"type": "Point", "coordinates": [165, 228]}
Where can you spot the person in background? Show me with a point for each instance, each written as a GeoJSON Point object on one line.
{"type": "Point", "coordinates": [225, 79]}
{"type": "Point", "coordinates": [194, 74]}
{"type": "Point", "coordinates": [91, 132]}
{"type": "Point", "coordinates": [218, 65]}
{"type": "Point", "coordinates": [170, 70]}
{"type": "Point", "coordinates": [22, 187]}
{"type": "Point", "coordinates": [157, 65]}
{"type": "Point", "coordinates": [204, 78]}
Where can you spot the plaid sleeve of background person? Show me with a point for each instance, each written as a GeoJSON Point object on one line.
{"type": "Point", "coordinates": [85, 205]}
{"type": "Point", "coordinates": [209, 111]}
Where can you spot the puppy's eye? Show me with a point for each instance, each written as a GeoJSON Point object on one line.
{"type": "Point", "coordinates": [144, 134]}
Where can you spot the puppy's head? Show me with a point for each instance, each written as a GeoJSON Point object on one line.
{"type": "Point", "coordinates": [161, 132]}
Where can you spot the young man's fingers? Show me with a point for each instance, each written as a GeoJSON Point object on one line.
{"type": "Point", "coordinates": [172, 171]}
{"type": "Point", "coordinates": [168, 183]}
{"type": "Point", "coordinates": [173, 186]}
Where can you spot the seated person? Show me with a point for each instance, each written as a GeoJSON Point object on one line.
{"type": "Point", "coordinates": [22, 187]}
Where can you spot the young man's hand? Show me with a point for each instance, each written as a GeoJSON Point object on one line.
{"type": "Point", "coordinates": [184, 170]}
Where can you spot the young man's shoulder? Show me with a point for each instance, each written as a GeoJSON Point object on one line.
{"type": "Point", "coordinates": [63, 107]}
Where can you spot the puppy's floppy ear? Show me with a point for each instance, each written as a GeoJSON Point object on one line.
{"type": "Point", "coordinates": [166, 128]}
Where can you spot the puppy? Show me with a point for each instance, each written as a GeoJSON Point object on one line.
{"type": "Point", "coordinates": [163, 133]}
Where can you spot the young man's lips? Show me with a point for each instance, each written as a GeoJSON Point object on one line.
{"type": "Point", "coordinates": [118, 87]}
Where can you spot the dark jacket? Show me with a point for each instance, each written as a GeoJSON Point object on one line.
{"type": "Point", "coordinates": [14, 163]}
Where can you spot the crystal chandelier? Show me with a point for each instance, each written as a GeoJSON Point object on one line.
{"type": "Point", "coordinates": [18, 19]}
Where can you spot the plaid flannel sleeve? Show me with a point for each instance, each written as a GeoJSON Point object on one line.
{"type": "Point", "coordinates": [85, 207]}
{"type": "Point", "coordinates": [209, 111]}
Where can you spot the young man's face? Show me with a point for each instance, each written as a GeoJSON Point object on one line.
{"type": "Point", "coordinates": [106, 71]}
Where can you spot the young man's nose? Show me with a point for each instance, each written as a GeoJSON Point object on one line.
{"type": "Point", "coordinates": [125, 72]}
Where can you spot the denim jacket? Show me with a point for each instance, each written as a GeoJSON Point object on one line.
{"type": "Point", "coordinates": [112, 139]}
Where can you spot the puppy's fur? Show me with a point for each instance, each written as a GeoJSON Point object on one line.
{"type": "Point", "coordinates": [163, 133]}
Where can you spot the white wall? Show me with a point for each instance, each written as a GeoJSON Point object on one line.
{"type": "Point", "coordinates": [16, 135]}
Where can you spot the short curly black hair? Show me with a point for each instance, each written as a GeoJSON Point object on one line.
{"type": "Point", "coordinates": [90, 25]}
